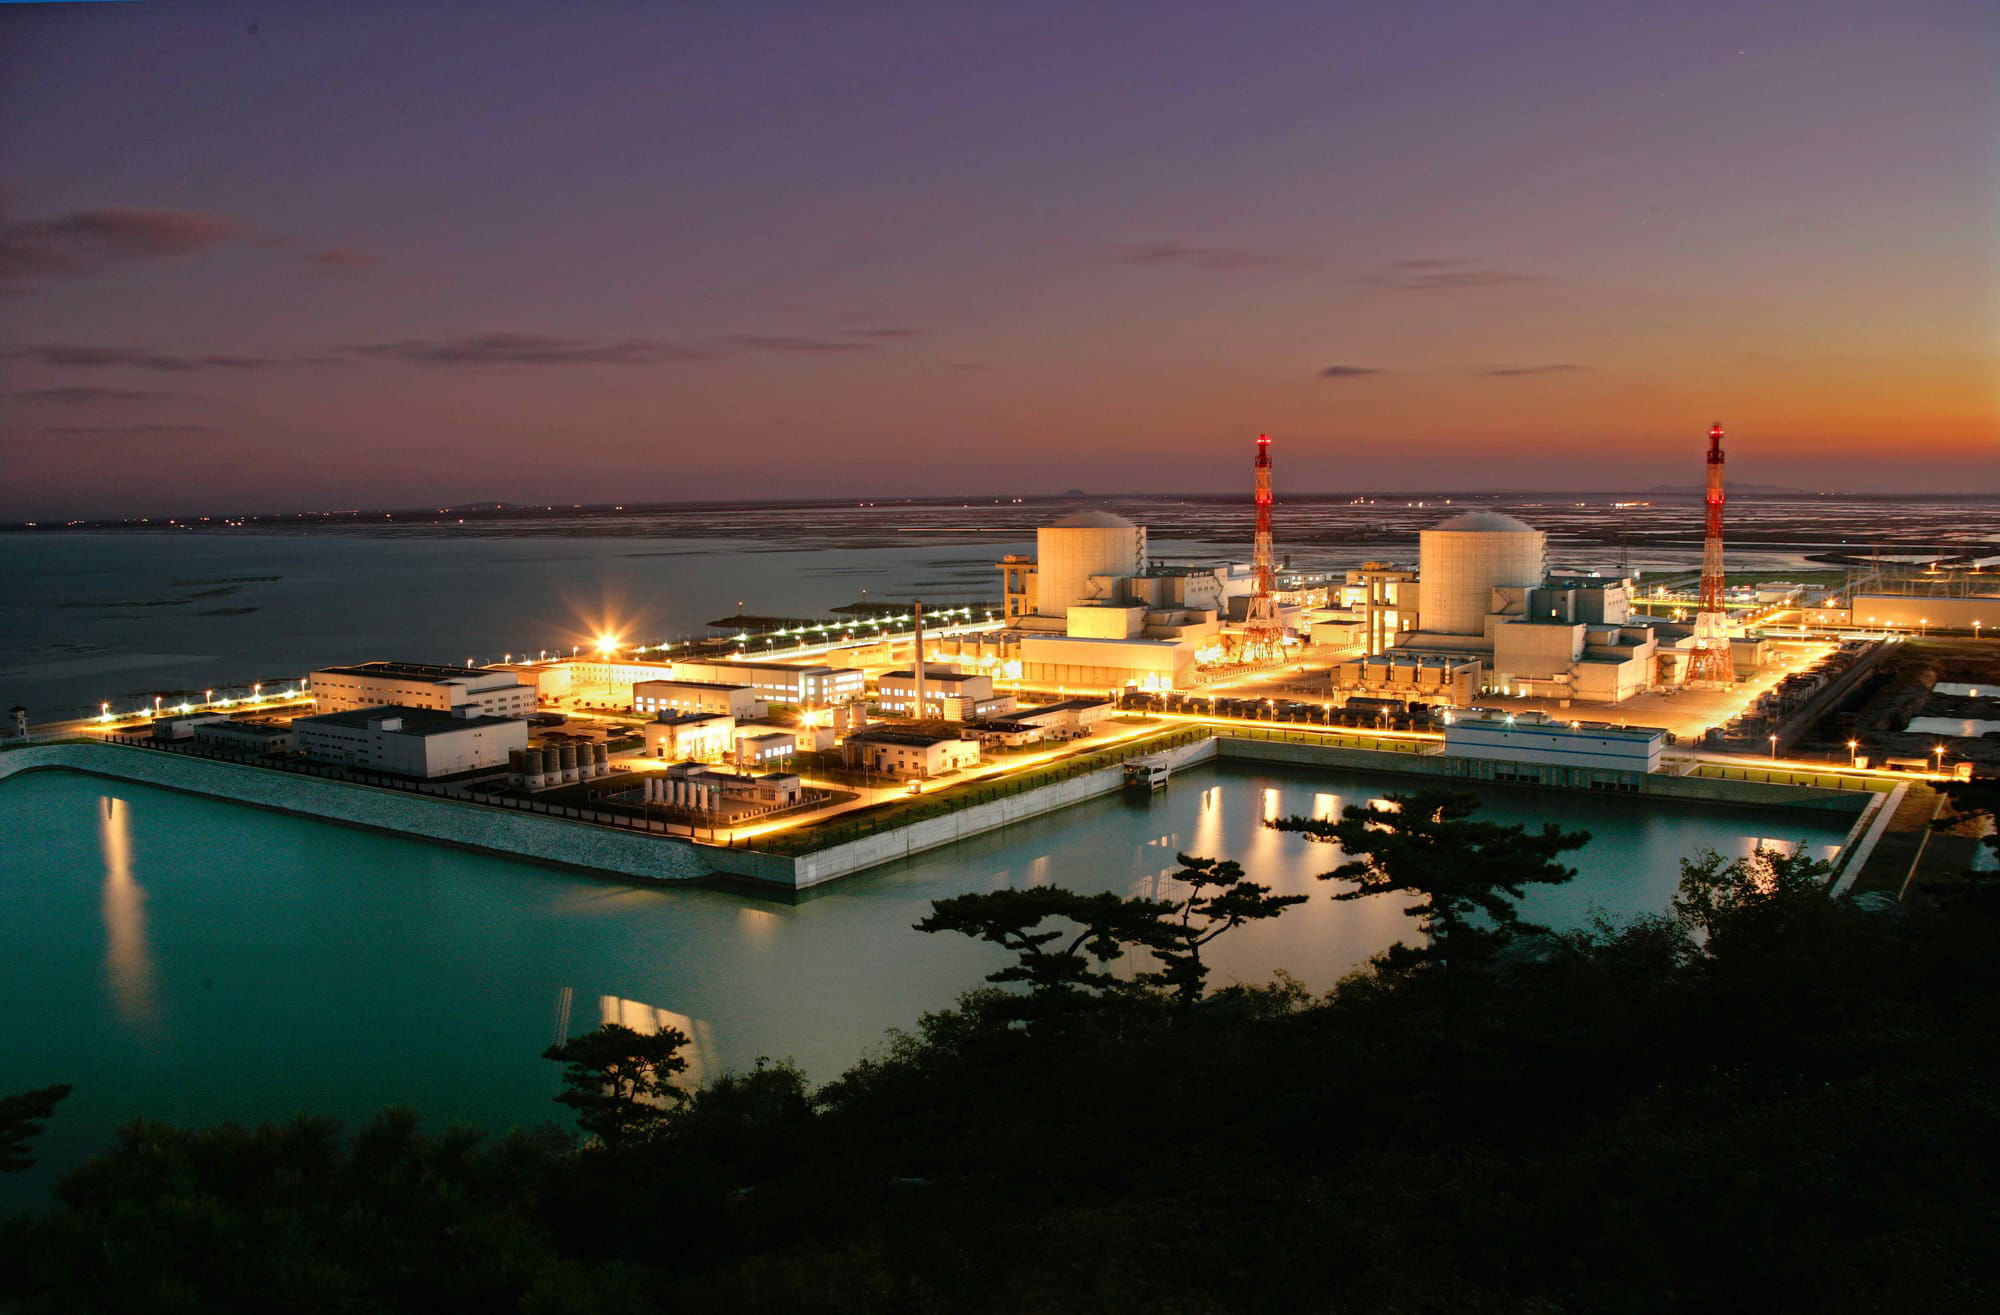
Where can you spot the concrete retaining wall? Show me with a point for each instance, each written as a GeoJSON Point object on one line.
{"type": "Point", "coordinates": [471, 826]}
{"type": "Point", "coordinates": [842, 860]}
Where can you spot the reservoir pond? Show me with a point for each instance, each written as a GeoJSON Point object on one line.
{"type": "Point", "coordinates": [196, 961]}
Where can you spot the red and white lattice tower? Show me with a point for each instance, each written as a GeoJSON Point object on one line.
{"type": "Point", "coordinates": [1709, 664]}
{"type": "Point", "coordinates": [1263, 628]}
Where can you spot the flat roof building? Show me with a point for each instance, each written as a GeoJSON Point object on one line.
{"type": "Point", "coordinates": [740, 701]}
{"type": "Point", "coordinates": [1534, 737]}
{"type": "Point", "coordinates": [908, 754]}
{"type": "Point", "coordinates": [410, 741]}
{"type": "Point", "coordinates": [781, 682]}
{"type": "Point", "coordinates": [421, 685]}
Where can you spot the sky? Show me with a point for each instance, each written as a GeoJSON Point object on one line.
{"type": "Point", "coordinates": [290, 256]}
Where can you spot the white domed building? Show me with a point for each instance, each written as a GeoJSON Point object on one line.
{"type": "Point", "coordinates": [1463, 560]}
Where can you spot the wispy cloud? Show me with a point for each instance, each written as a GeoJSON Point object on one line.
{"type": "Point", "coordinates": [129, 430]}
{"type": "Point", "coordinates": [1347, 372]}
{"type": "Point", "coordinates": [1195, 257]}
{"type": "Point", "coordinates": [1444, 274]}
{"type": "Point", "coordinates": [781, 342]}
{"type": "Point", "coordinates": [531, 349]}
{"type": "Point", "coordinates": [91, 396]}
{"type": "Point", "coordinates": [1520, 371]}
{"type": "Point", "coordinates": [67, 356]}
{"type": "Point", "coordinates": [332, 260]}
{"type": "Point", "coordinates": [501, 349]}
{"type": "Point", "coordinates": [87, 242]}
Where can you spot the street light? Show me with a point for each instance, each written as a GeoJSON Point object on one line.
{"type": "Point", "coordinates": [1939, 752]}
{"type": "Point", "coordinates": [1774, 748]}
{"type": "Point", "coordinates": [1852, 756]}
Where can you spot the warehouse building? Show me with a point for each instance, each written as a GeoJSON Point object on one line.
{"type": "Point", "coordinates": [245, 737]}
{"type": "Point", "coordinates": [486, 693]}
{"type": "Point", "coordinates": [690, 736]}
{"type": "Point", "coordinates": [798, 684]}
{"type": "Point", "coordinates": [739, 701]}
{"type": "Point", "coordinates": [949, 695]}
{"type": "Point", "coordinates": [908, 754]}
{"type": "Point", "coordinates": [410, 741]}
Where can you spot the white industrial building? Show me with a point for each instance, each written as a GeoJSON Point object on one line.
{"type": "Point", "coordinates": [949, 694]}
{"type": "Point", "coordinates": [908, 754]}
{"type": "Point", "coordinates": [690, 736]}
{"type": "Point", "coordinates": [1533, 737]}
{"type": "Point", "coordinates": [410, 741]}
{"type": "Point", "coordinates": [485, 692]}
{"type": "Point", "coordinates": [740, 701]}
{"type": "Point", "coordinates": [781, 682]}
{"type": "Point", "coordinates": [761, 746]}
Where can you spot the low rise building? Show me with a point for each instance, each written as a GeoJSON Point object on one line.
{"type": "Point", "coordinates": [908, 754]}
{"type": "Point", "coordinates": [782, 682]}
{"type": "Point", "coordinates": [759, 746]}
{"type": "Point", "coordinates": [421, 685]}
{"type": "Point", "coordinates": [1433, 678]}
{"type": "Point", "coordinates": [1536, 738]}
{"type": "Point", "coordinates": [405, 741]}
{"type": "Point", "coordinates": [739, 701]}
{"type": "Point", "coordinates": [182, 726]}
{"type": "Point", "coordinates": [690, 736]}
{"type": "Point", "coordinates": [247, 737]}
{"type": "Point", "coordinates": [949, 694]}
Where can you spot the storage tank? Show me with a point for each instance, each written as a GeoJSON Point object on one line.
{"type": "Point", "coordinates": [1080, 545]}
{"type": "Point", "coordinates": [1464, 559]}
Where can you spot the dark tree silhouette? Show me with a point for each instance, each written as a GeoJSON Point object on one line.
{"type": "Point", "coordinates": [1465, 874]}
{"type": "Point", "coordinates": [1065, 968]}
{"type": "Point", "coordinates": [614, 1078]}
{"type": "Point", "coordinates": [21, 1120]}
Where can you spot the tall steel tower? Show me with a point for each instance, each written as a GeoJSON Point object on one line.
{"type": "Point", "coordinates": [1263, 629]}
{"type": "Point", "coordinates": [1709, 663]}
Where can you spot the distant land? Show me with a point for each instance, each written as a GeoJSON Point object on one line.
{"type": "Point", "coordinates": [1762, 490]}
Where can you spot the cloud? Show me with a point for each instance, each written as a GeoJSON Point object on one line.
{"type": "Point", "coordinates": [530, 349]}
{"type": "Point", "coordinates": [88, 396]}
{"type": "Point", "coordinates": [778, 342]}
{"type": "Point", "coordinates": [483, 349]}
{"type": "Point", "coordinates": [66, 356]}
{"type": "Point", "coordinates": [331, 260]}
{"type": "Point", "coordinates": [86, 242]}
{"type": "Point", "coordinates": [1201, 257]}
{"type": "Point", "coordinates": [129, 430]}
{"type": "Point", "coordinates": [1443, 274]}
{"type": "Point", "coordinates": [1519, 371]}
{"type": "Point", "coordinates": [1347, 372]}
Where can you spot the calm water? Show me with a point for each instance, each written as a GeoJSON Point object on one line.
{"type": "Point", "coordinates": [194, 960]}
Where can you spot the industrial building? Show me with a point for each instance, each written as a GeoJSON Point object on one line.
{"type": "Point", "coordinates": [247, 737]}
{"type": "Point", "coordinates": [949, 695]}
{"type": "Point", "coordinates": [485, 692]}
{"type": "Point", "coordinates": [1533, 737]}
{"type": "Point", "coordinates": [908, 754]}
{"type": "Point", "coordinates": [740, 701]}
{"type": "Point", "coordinates": [799, 684]}
{"type": "Point", "coordinates": [690, 736]}
{"type": "Point", "coordinates": [1972, 613]}
{"type": "Point", "coordinates": [722, 796]}
{"type": "Point", "coordinates": [761, 746]}
{"type": "Point", "coordinates": [410, 741]}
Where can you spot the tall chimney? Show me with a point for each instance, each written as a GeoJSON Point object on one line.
{"type": "Point", "coordinates": [919, 664]}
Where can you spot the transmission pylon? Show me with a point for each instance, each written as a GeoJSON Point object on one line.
{"type": "Point", "coordinates": [1263, 628]}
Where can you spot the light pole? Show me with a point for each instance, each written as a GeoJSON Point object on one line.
{"type": "Point", "coordinates": [1853, 756]}
{"type": "Point", "coordinates": [1774, 748]}
{"type": "Point", "coordinates": [1938, 751]}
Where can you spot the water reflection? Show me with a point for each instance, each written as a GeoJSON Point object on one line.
{"type": "Point", "coordinates": [646, 1020]}
{"type": "Point", "coordinates": [128, 962]}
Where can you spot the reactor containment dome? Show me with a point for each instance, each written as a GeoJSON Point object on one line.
{"type": "Point", "coordinates": [1081, 545]}
{"type": "Point", "coordinates": [1461, 562]}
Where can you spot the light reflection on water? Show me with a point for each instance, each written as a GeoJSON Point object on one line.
{"type": "Point", "coordinates": [128, 964]}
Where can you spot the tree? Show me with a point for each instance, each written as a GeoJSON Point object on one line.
{"type": "Point", "coordinates": [1465, 875]}
{"type": "Point", "coordinates": [1067, 968]}
{"type": "Point", "coordinates": [21, 1120]}
{"type": "Point", "coordinates": [1220, 900]}
{"type": "Point", "coordinates": [1750, 904]}
{"type": "Point", "coordinates": [614, 1078]}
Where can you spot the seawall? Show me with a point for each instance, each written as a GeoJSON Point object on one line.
{"type": "Point", "coordinates": [578, 845]}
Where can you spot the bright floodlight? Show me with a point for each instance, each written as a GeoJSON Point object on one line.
{"type": "Point", "coordinates": [607, 644]}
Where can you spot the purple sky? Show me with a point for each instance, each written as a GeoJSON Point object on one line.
{"type": "Point", "coordinates": [400, 253]}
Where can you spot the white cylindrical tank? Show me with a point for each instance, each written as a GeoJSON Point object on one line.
{"type": "Point", "coordinates": [1464, 559]}
{"type": "Point", "coordinates": [1080, 545]}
